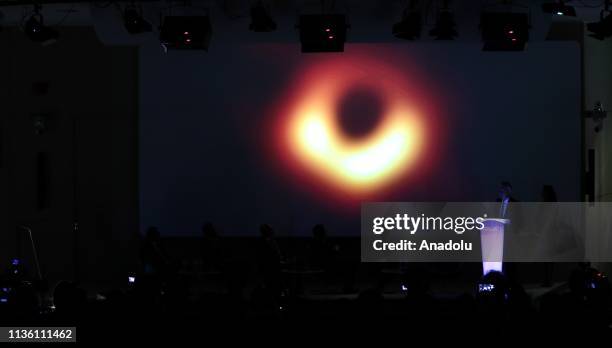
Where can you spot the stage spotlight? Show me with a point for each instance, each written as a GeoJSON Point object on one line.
{"type": "Point", "coordinates": [185, 32]}
{"type": "Point", "coordinates": [134, 22]}
{"type": "Point", "coordinates": [322, 33]}
{"type": "Point", "coordinates": [504, 31]}
{"type": "Point", "coordinates": [261, 21]}
{"type": "Point", "coordinates": [559, 8]}
{"type": "Point", "coordinates": [603, 29]}
{"type": "Point", "coordinates": [409, 28]}
{"type": "Point", "coordinates": [36, 30]}
{"type": "Point", "coordinates": [445, 26]}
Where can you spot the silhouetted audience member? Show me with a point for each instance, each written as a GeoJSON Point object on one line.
{"type": "Point", "coordinates": [322, 252]}
{"type": "Point", "coordinates": [499, 295]}
{"type": "Point", "coordinates": [370, 303]}
{"type": "Point", "coordinates": [155, 269]}
{"type": "Point", "coordinates": [269, 259]}
{"type": "Point", "coordinates": [153, 258]}
{"type": "Point", "coordinates": [584, 307]}
{"type": "Point", "coordinates": [69, 300]}
{"type": "Point", "coordinates": [264, 303]}
{"type": "Point", "coordinates": [590, 285]}
{"type": "Point", "coordinates": [19, 304]}
{"type": "Point", "coordinates": [212, 249]}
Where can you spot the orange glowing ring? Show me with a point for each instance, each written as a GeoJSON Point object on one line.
{"type": "Point", "coordinates": [361, 166]}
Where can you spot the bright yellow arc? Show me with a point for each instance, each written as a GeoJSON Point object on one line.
{"type": "Point", "coordinates": [359, 165]}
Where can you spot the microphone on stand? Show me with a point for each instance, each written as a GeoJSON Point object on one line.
{"type": "Point", "coordinates": [34, 251]}
{"type": "Point", "coordinates": [40, 285]}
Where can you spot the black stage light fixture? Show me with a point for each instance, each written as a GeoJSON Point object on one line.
{"type": "Point", "coordinates": [445, 26]}
{"type": "Point", "coordinates": [603, 29]}
{"type": "Point", "coordinates": [261, 21]}
{"type": "Point", "coordinates": [36, 30]}
{"type": "Point", "coordinates": [559, 8]}
{"type": "Point", "coordinates": [322, 32]}
{"type": "Point", "coordinates": [185, 32]}
{"type": "Point", "coordinates": [409, 27]}
{"type": "Point", "coordinates": [504, 31]}
{"type": "Point", "coordinates": [134, 22]}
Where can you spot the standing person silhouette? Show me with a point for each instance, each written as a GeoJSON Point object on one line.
{"type": "Point", "coordinates": [269, 259]}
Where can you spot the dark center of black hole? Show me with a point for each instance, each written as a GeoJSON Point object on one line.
{"type": "Point", "coordinates": [359, 112]}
